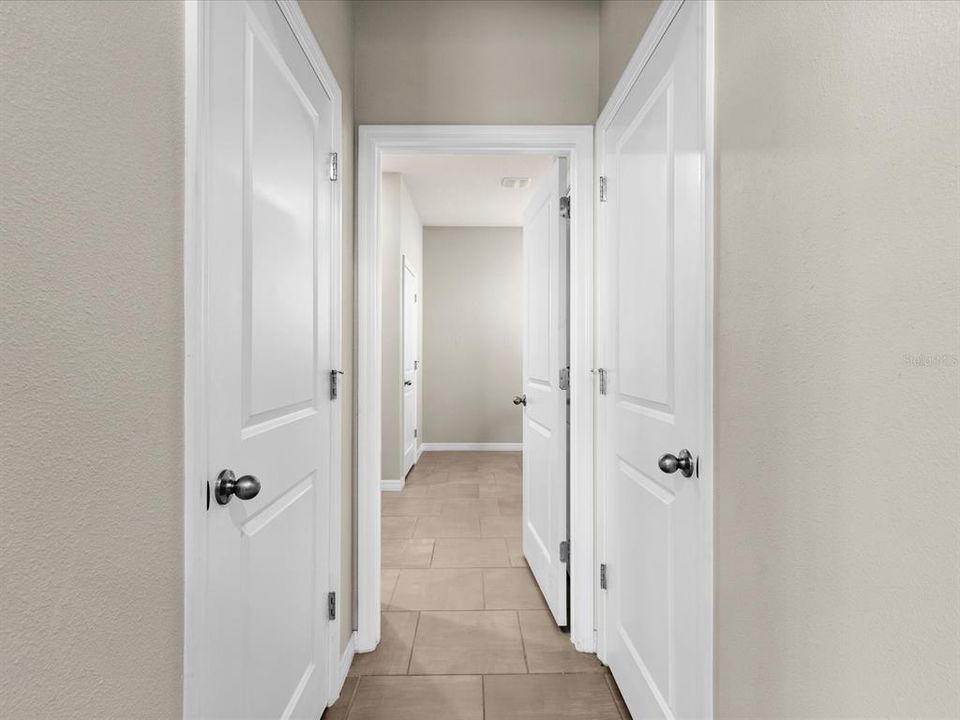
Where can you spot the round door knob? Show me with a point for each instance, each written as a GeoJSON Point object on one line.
{"type": "Point", "coordinates": [520, 400]}
{"type": "Point", "coordinates": [682, 462]}
{"type": "Point", "coordinates": [408, 383]}
{"type": "Point", "coordinates": [245, 488]}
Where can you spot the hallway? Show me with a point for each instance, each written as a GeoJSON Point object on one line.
{"type": "Point", "coordinates": [463, 620]}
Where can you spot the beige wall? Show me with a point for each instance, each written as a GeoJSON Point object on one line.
{"type": "Point", "coordinates": [497, 61]}
{"type": "Point", "coordinates": [91, 363]}
{"type": "Point", "coordinates": [472, 334]}
{"type": "Point", "coordinates": [401, 236]}
{"type": "Point", "coordinates": [838, 263]}
{"type": "Point", "coordinates": [332, 24]}
{"type": "Point", "coordinates": [622, 24]}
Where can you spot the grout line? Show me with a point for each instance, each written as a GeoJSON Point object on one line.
{"type": "Point", "coordinates": [413, 643]}
{"type": "Point", "coordinates": [483, 697]}
{"type": "Point", "coordinates": [523, 643]}
{"type": "Point", "coordinates": [353, 696]}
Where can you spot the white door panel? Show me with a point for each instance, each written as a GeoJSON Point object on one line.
{"type": "Point", "coordinates": [653, 333]}
{"type": "Point", "coordinates": [269, 315]}
{"type": "Point", "coordinates": [545, 434]}
{"type": "Point", "coordinates": [410, 347]}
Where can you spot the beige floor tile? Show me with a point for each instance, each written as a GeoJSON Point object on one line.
{"type": "Point", "coordinates": [395, 504]}
{"type": "Point", "coordinates": [339, 710]}
{"type": "Point", "coordinates": [418, 698]}
{"type": "Point", "coordinates": [502, 526]}
{"type": "Point", "coordinates": [397, 526]}
{"type": "Point", "coordinates": [549, 650]}
{"type": "Point", "coordinates": [471, 553]}
{"type": "Point", "coordinates": [511, 589]}
{"type": "Point", "coordinates": [496, 489]}
{"type": "Point", "coordinates": [467, 642]}
{"type": "Point", "coordinates": [511, 505]}
{"type": "Point", "coordinates": [480, 507]}
{"type": "Point", "coordinates": [447, 526]}
{"type": "Point", "coordinates": [412, 553]}
{"type": "Point", "coordinates": [392, 656]}
{"type": "Point", "coordinates": [618, 698]}
{"type": "Point", "coordinates": [439, 589]}
{"type": "Point", "coordinates": [413, 490]}
{"type": "Point", "coordinates": [388, 581]}
{"type": "Point", "coordinates": [454, 490]}
{"type": "Point", "coordinates": [515, 548]}
{"type": "Point", "coordinates": [548, 697]}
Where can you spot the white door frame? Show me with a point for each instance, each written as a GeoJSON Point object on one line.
{"type": "Point", "coordinates": [196, 130]}
{"type": "Point", "coordinates": [576, 143]}
{"type": "Point", "coordinates": [658, 26]}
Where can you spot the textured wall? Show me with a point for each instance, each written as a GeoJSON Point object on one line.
{"type": "Point", "coordinates": [496, 61]}
{"type": "Point", "coordinates": [472, 334]}
{"type": "Point", "coordinates": [332, 24]}
{"type": "Point", "coordinates": [91, 363]}
{"type": "Point", "coordinates": [838, 271]}
{"type": "Point", "coordinates": [622, 24]}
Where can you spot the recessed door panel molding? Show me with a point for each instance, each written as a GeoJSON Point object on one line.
{"type": "Point", "coordinates": [654, 141]}
{"type": "Point", "coordinates": [263, 313]}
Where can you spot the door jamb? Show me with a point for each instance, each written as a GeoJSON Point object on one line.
{"type": "Point", "coordinates": [575, 142]}
{"type": "Point", "coordinates": [661, 21]}
{"type": "Point", "coordinates": [196, 129]}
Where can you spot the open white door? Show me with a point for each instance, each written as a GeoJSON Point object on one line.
{"type": "Point", "coordinates": [270, 327]}
{"type": "Point", "coordinates": [655, 400]}
{"type": "Point", "coordinates": [545, 354]}
{"type": "Point", "coordinates": [410, 363]}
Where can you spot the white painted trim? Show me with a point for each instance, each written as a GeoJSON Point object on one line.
{"type": "Point", "coordinates": [196, 125]}
{"type": "Point", "coordinates": [576, 142]}
{"type": "Point", "coordinates": [343, 668]}
{"type": "Point", "coordinates": [393, 485]}
{"type": "Point", "coordinates": [472, 447]}
{"type": "Point", "coordinates": [661, 21]}
{"type": "Point", "coordinates": [420, 451]}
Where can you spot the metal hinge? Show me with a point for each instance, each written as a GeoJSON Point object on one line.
{"type": "Point", "coordinates": [334, 167]}
{"type": "Point", "coordinates": [416, 364]}
{"type": "Point", "coordinates": [565, 207]}
{"type": "Point", "coordinates": [602, 374]}
{"type": "Point", "coordinates": [334, 374]}
{"type": "Point", "coordinates": [565, 378]}
{"type": "Point", "coordinates": [415, 432]}
{"type": "Point", "coordinates": [332, 605]}
{"type": "Point", "coordinates": [603, 189]}
{"type": "Point", "coordinates": [603, 576]}
{"type": "Point", "coordinates": [564, 551]}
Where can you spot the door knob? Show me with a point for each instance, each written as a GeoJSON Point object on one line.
{"type": "Point", "coordinates": [245, 488]}
{"type": "Point", "coordinates": [408, 383]}
{"type": "Point", "coordinates": [671, 463]}
{"type": "Point", "coordinates": [520, 400]}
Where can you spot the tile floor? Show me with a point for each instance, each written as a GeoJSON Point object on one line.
{"type": "Point", "coordinates": [466, 634]}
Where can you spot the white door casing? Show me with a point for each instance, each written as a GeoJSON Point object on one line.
{"type": "Point", "coordinates": [545, 354]}
{"type": "Point", "coordinates": [262, 310]}
{"type": "Point", "coordinates": [410, 364]}
{"type": "Point", "coordinates": [655, 285]}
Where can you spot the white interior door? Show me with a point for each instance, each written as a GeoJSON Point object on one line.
{"type": "Point", "coordinates": [545, 354]}
{"type": "Point", "coordinates": [411, 336]}
{"type": "Point", "coordinates": [270, 327]}
{"type": "Point", "coordinates": [657, 606]}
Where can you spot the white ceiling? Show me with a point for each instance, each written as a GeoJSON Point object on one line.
{"type": "Point", "coordinates": [465, 189]}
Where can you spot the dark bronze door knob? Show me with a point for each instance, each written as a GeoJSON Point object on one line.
{"type": "Point", "coordinates": [246, 488]}
{"type": "Point", "coordinates": [671, 463]}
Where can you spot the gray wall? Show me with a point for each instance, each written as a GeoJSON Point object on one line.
{"type": "Point", "coordinates": [472, 334]}
{"type": "Point", "coordinates": [838, 264]}
{"type": "Point", "coordinates": [622, 23]}
{"type": "Point", "coordinates": [91, 363]}
{"type": "Point", "coordinates": [401, 236]}
{"type": "Point", "coordinates": [497, 61]}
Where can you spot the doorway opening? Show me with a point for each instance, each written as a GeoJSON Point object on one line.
{"type": "Point", "coordinates": [475, 394]}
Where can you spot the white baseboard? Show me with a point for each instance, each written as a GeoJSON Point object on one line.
{"type": "Point", "coordinates": [393, 485]}
{"type": "Point", "coordinates": [346, 660]}
{"type": "Point", "coordinates": [419, 452]}
{"type": "Point", "coordinates": [472, 447]}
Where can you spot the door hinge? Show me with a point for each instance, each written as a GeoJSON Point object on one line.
{"type": "Point", "coordinates": [602, 375]}
{"type": "Point", "coordinates": [603, 576]}
{"type": "Point", "coordinates": [334, 167]}
{"type": "Point", "coordinates": [415, 432]}
{"type": "Point", "coordinates": [334, 381]}
{"type": "Point", "coordinates": [603, 188]}
{"type": "Point", "coordinates": [416, 364]}
{"type": "Point", "coordinates": [332, 605]}
{"type": "Point", "coordinates": [564, 551]}
{"type": "Point", "coordinates": [565, 207]}
{"type": "Point", "coordinates": [565, 378]}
